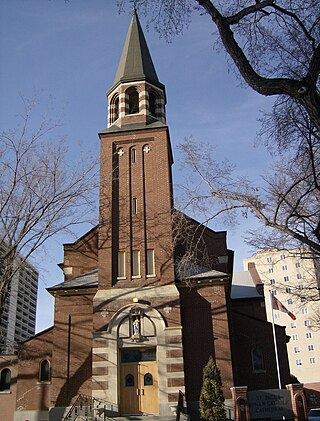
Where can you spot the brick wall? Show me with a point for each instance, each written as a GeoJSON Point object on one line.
{"type": "Point", "coordinates": [205, 333]}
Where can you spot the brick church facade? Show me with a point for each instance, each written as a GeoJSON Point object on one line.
{"type": "Point", "coordinates": [135, 320]}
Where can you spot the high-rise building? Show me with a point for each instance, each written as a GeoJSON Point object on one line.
{"type": "Point", "coordinates": [18, 320]}
{"type": "Point", "coordinates": [292, 277]}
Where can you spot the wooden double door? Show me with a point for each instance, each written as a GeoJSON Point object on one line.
{"type": "Point", "coordinates": [138, 385]}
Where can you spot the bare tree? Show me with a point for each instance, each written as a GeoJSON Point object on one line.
{"type": "Point", "coordinates": [286, 200]}
{"type": "Point", "coordinates": [274, 46]}
{"type": "Point", "coordinates": [42, 192]}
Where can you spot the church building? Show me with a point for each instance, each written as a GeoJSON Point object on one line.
{"type": "Point", "coordinates": [145, 299]}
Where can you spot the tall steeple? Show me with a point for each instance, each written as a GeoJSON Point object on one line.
{"type": "Point", "coordinates": [136, 195]}
{"type": "Point", "coordinates": [136, 62]}
{"type": "Point", "coordinates": [136, 95]}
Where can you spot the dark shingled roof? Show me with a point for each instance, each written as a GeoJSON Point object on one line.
{"type": "Point", "coordinates": [88, 280]}
{"type": "Point", "coordinates": [135, 62]}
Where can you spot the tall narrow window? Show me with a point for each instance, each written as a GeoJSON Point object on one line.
{"type": "Point", "coordinates": [152, 104]}
{"type": "Point", "coordinates": [114, 108]}
{"type": "Point", "coordinates": [134, 206]}
{"type": "Point", "coordinates": [5, 380]}
{"type": "Point", "coordinates": [133, 101]}
{"type": "Point", "coordinates": [150, 262]}
{"type": "Point", "coordinates": [121, 264]}
{"type": "Point", "coordinates": [135, 263]}
{"type": "Point", "coordinates": [133, 156]}
{"type": "Point", "coordinates": [44, 374]}
{"type": "Point", "coordinates": [257, 359]}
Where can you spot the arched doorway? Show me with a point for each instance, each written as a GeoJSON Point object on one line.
{"type": "Point", "coordinates": [138, 381]}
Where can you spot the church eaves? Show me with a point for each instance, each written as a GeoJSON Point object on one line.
{"type": "Point", "coordinates": [135, 62]}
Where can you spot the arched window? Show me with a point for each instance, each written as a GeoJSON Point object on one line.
{"type": "Point", "coordinates": [44, 373]}
{"type": "Point", "coordinates": [148, 379]}
{"type": "Point", "coordinates": [129, 381]}
{"type": "Point", "coordinates": [257, 359]}
{"type": "Point", "coordinates": [5, 380]}
{"type": "Point", "coordinates": [114, 109]}
{"type": "Point", "coordinates": [133, 101]}
{"type": "Point", "coordinates": [152, 104]}
{"type": "Point", "coordinates": [133, 155]}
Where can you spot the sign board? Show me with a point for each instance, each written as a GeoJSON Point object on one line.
{"type": "Point", "coordinates": [273, 404]}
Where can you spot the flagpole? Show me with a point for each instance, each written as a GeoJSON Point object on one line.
{"type": "Point", "coordinates": [275, 341]}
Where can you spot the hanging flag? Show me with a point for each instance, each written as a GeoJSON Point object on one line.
{"type": "Point", "coordinates": [277, 305]}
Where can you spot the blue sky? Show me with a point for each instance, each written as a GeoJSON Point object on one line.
{"type": "Point", "coordinates": [68, 53]}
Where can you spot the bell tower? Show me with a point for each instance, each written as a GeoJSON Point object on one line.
{"type": "Point", "coordinates": [137, 338]}
{"type": "Point", "coordinates": [136, 185]}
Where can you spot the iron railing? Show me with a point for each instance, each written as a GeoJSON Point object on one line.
{"type": "Point", "coordinates": [88, 408]}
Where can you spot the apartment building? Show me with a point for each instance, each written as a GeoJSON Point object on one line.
{"type": "Point", "coordinates": [19, 318]}
{"type": "Point", "coordinates": [293, 277]}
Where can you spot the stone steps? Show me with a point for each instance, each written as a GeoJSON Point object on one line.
{"type": "Point", "coordinates": [143, 418]}
{"type": "Point", "coordinates": [183, 417]}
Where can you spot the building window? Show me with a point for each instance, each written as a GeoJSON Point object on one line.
{"type": "Point", "coordinates": [272, 281]}
{"type": "Point", "coordinates": [133, 155]}
{"type": "Point", "coordinates": [274, 292]}
{"type": "Point", "coordinates": [300, 287]}
{"type": "Point", "coordinates": [302, 299]}
{"type": "Point", "coordinates": [133, 101]}
{"type": "Point", "coordinates": [152, 104]}
{"type": "Point", "coordinates": [307, 322]}
{"type": "Point", "coordinates": [5, 380]}
{"type": "Point", "coordinates": [150, 262]}
{"type": "Point", "coordinates": [309, 335]}
{"type": "Point", "coordinates": [270, 270]}
{"type": "Point", "coordinates": [297, 349]}
{"type": "Point", "coordinates": [276, 316]}
{"type": "Point", "coordinates": [135, 263]}
{"type": "Point", "coordinates": [257, 359]}
{"type": "Point", "coordinates": [293, 325]}
{"type": "Point", "coordinates": [294, 337]}
{"type": "Point", "coordinates": [148, 379]}
{"type": "Point", "coordinates": [135, 206]}
{"type": "Point", "coordinates": [284, 267]}
{"type": "Point", "coordinates": [286, 278]}
{"type": "Point", "coordinates": [288, 290]}
{"type": "Point", "coordinates": [114, 108]}
{"type": "Point", "coordinates": [312, 360]}
{"type": "Point", "coordinates": [129, 380]}
{"type": "Point", "coordinates": [305, 310]}
{"type": "Point", "coordinates": [44, 372]}
{"type": "Point", "coordinates": [121, 264]}
{"type": "Point", "coordinates": [298, 264]}
{"type": "Point", "coordinates": [269, 259]}
{"type": "Point", "coordinates": [298, 362]}
{"type": "Point", "coordinates": [310, 347]}
{"type": "Point", "coordinates": [299, 276]}
{"type": "Point", "coordinates": [290, 301]}
{"type": "Point", "coordinates": [283, 256]}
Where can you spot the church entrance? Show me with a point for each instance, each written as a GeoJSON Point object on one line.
{"type": "Point", "coordinates": [138, 381]}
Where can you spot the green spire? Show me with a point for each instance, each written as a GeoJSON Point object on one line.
{"type": "Point", "coordinates": [135, 62]}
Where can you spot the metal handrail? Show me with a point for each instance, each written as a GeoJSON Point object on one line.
{"type": "Point", "coordinates": [83, 403]}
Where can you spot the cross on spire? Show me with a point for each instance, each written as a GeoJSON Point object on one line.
{"type": "Point", "coordinates": [134, 2]}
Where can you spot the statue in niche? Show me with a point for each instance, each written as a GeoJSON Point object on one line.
{"type": "Point", "coordinates": [136, 329]}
